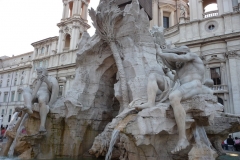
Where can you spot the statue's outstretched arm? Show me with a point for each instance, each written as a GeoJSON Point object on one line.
{"type": "Point", "coordinates": [176, 58]}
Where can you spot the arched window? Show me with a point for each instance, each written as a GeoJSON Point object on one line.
{"type": "Point", "coordinates": [8, 82]}
{"type": "Point", "coordinates": [210, 8]}
{"type": "Point", "coordinates": [67, 41]}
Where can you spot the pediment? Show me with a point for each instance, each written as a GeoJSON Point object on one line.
{"type": "Point", "coordinates": [214, 60]}
{"type": "Point", "coordinates": [167, 7]}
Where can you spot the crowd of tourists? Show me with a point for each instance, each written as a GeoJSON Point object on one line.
{"type": "Point", "coordinates": [231, 144]}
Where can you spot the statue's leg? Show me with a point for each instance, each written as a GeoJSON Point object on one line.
{"type": "Point", "coordinates": [180, 116]}
{"type": "Point", "coordinates": [154, 80]}
{"type": "Point", "coordinates": [43, 111]}
{"type": "Point", "coordinates": [184, 92]}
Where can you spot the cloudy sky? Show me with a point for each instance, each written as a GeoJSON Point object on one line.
{"type": "Point", "coordinates": [28, 21]}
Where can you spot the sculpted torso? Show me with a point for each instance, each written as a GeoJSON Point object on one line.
{"type": "Point", "coordinates": [191, 70]}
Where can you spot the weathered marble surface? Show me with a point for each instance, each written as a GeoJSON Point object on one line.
{"type": "Point", "coordinates": [83, 121]}
{"type": "Point", "coordinates": [150, 129]}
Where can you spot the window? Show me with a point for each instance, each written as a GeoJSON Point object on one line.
{"type": "Point", "coordinates": [15, 81]}
{"type": "Point", "coordinates": [10, 111]}
{"type": "Point", "coordinates": [211, 27]}
{"type": "Point", "coordinates": [2, 112]}
{"type": "Point", "coordinates": [216, 75]}
{"type": "Point", "coordinates": [5, 97]}
{"type": "Point", "coordinates": [8, 82]}
{"type": "Point", "coordinates": [1, 84]}
{"type": "Point", "coordinates": [19, 96]}
{"type": "Point", "coordinates": [22, 80]}
{"type": "Point", "coordinates": [8, 75]}
{"type": "Point", "coordinates": [16, 73]}
{"type": "Point", "coordinates": [67, 41]}
{"type": "Point", "coordinates": [60, 90]}
{"type": "Point", "coordinates": [166, 22]}
{"type": "Point", "coordinates": [41, 64]}
{"type": "Point", "coordinates": [12, 96]}
{"type": "Point", "coordinates": [42, 50]}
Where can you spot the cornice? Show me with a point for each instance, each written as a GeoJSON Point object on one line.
{"type": "Point", "coordinates": [72, 20]}
{"type": "Point", "coordinates": [210, 39]}
{"type": "Point", "coordinates": [4, 70]}
{"type": "Point", "coordinates": [61, 67]}
{"type": "Point", "coordinates": [44, 41]}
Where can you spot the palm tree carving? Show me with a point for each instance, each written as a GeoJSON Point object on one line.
{"type": "Point", "coordinates": [104, 20]}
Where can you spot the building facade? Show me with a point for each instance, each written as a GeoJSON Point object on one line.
{"type": "Point", "coordinates": [214, 36]}
{"type": "Point", "coordinates": [15, 72]}
{"type": "Point", "coordinates": [57, 54]}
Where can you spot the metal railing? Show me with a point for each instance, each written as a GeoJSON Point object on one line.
{"type": "Point", "coordinates": [210, 14]}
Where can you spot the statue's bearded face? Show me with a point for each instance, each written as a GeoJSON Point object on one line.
{"type": "Point", "coordinates": [41, 72]}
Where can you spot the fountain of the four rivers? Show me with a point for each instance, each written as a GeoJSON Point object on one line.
{"type": "Point", "coordinates": [135, 97]}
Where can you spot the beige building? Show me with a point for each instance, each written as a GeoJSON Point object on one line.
{"type": "Point", "coordinates": [14, 72]}
{"type": "Point", "coordinates": [57, 54]}
{"type": "Point", "coordinates": [214, 35]}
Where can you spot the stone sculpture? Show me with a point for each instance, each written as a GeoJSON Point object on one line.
{"type": "Point", "coordinates": [114, 69]}
{"type": "Point", "coordinates": [44, 93]}
{"type": "Point", "coordinates": [189, 71]}
{"type": "Point", "coordinates": [182, 10]}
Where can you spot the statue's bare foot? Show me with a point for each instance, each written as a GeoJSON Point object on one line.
{"type": "Point", "coordinates": [42, 130]}
{"type": "Point", "coordinates": [28, 110]}
{"type": "Point", "coordinates": [182, 144]}
{"type": "Point", "coordinates": [143, 106]}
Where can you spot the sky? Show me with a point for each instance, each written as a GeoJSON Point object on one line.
{"type": "Point", "coordinates": [28, 21]}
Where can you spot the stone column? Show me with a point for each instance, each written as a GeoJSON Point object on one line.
{"type": "Point", "coordinates": [67, 11]}
{"type": "Point", "coordinates": [155, 12]}
{"type": "Point", "coordinates": [159, 17]}
{"type": "Point", "coordinates": [79, 8]}
{"type": "Point", "coordinates": [74, 37]}
{"type": "Point", "coordinates": [84, 10]}
{"type": "Point", "coordinates": [60, 41]}
{"type": "Point", "coordinates": [75, 5]}
{"type": "Point", "coordinates": [193, 10]}
{"type": "Point", "coordinates": [172, 19]}
{"type": "Point", "coordinates": [234, 86]}
{"type": "Point", "coordinates": [64, 10]}
{"type": "Point", "coordinates": [200, 9]}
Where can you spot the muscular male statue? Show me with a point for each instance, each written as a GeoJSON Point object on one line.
{"type": "Point", "coordinates": [45, 93]}
{"type": "Point", "coordinates": [189, 71]}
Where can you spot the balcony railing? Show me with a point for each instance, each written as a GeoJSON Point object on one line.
{"type": "Point", "coordinates": [210, 14]}
{"type": "Point", "coordinates": [220, 88]}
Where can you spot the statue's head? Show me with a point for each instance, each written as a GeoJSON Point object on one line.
{"type": "Point", "coordinates": [41, 71]}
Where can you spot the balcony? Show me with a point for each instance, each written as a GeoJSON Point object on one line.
{"type": "Point", "coordinates": [220, 89]}
{"type": "Point", "coordinates": [210, 14]}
